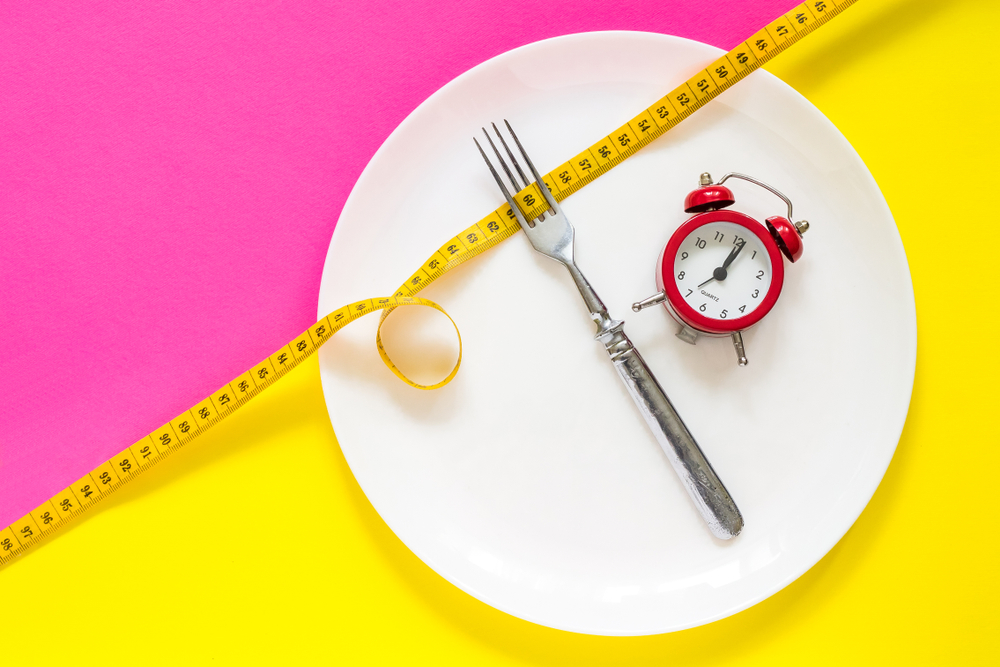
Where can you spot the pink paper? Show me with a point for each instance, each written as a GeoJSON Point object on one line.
{"type": "Point", "coordinates": [171, 174]}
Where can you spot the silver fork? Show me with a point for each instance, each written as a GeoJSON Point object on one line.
{"type": "Point", "coordinates": [553, 236]}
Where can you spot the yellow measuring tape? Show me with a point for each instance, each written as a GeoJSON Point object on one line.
{"type": "Point", "coordinates": [498, 226]}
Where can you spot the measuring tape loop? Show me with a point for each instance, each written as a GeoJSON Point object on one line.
{"type": "Point", "coordinates": [392, 367]}
{"type": "Point", "coordinates": [495, 228]}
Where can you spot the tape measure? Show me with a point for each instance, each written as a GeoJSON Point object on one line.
{"type": "Point", "coordinates": [498, 226]}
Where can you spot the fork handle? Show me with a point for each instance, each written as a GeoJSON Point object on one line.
{"type": "Point", "coordinates": [702, 483]}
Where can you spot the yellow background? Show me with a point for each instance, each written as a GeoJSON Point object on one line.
{"type": "Point", "coordinates": [255, 544]}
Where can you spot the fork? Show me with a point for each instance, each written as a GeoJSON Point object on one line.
{"type": "Point", "coordinates": [554, 237]}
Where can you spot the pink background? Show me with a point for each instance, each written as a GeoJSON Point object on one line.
{"type": "Point", "coordinates": [171, 174]}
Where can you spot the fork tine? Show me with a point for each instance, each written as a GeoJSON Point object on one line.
{"type": "Point", "coordinates": [517, 165]}
{"type": "Point", "coordinates": [538, 179]}
{"type": "Point", "coordinates": [503, 163]}
{"type": "Point", "coordinates": [503, 188]}
{"type": "Point", "coordinates": [510, 154]}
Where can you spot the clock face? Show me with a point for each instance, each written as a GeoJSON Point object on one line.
{"type": "Point", "coordinates": [722, 271]}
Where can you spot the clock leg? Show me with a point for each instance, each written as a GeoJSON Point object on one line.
{"type": "Point", "coordinates": [741, 354]}
{"type": "Point", "coordinates": [659, 297]}
{"type": "Point", "coordinates": [687, 334]}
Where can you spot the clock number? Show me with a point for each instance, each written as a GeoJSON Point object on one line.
{"type": "Point", "coordinates": [723, 314]}
{"type": "Point", "coordinates": [703, 307]}
{"type": "Point", "coordinates": [680, 276]}
{"type": "Point", "coordinates": [743, 307]}
{"type": "Point", "coordinates": [684, 255]}
{"type": "Point", "coordinates": [738, 239]}
{"type": "Point", "coordinates": [700, 242]}
{"type": "Point", "coordinates": [754, 254]}
{"type": "Point", "coordinates": [690, 292]}
{"type": "Point", "coordinates": [756, 292]}
{"type": "Point", "coordinates": [719, 236]}
{"type": "Point", "coordinates": [760, 275]}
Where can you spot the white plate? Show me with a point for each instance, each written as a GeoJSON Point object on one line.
{"type": "Point", "coordinates": [531, 481]}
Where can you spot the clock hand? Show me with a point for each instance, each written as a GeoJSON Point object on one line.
{"type": "Point", "coordinates": [732, 255]}
{"type": "Point", "coordinates": [720, 273]}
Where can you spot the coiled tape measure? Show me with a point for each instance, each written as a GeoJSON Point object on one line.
{"type": "Point", "coordinates": [498, 226]}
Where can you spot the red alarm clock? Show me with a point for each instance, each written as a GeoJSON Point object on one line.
{"type": "Point", "coordinates": [722, 271]}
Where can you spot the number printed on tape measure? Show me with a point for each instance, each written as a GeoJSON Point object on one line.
{"type": "Point", "coordinates": [498, 226]}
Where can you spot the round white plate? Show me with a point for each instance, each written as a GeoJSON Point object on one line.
{"type": "Point", "coordinates": [531, 481]}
